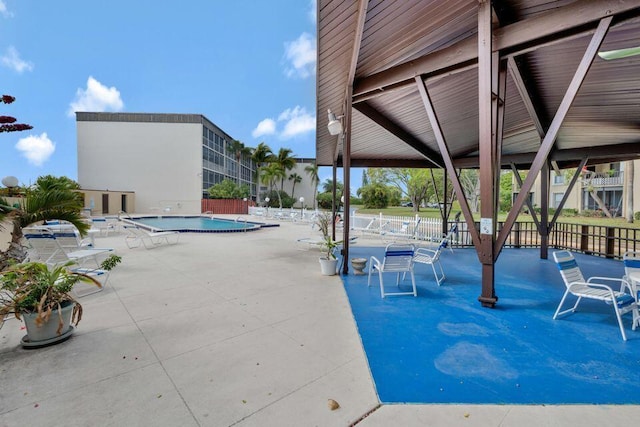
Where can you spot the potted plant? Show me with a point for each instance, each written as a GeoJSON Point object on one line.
{"type": "Point", "coordinates": [41, 296]}
{"type": "Point", "coordinates": [329, 262]}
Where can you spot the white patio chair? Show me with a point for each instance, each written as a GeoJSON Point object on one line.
{"type": "Point", "coordinates": [408, 230]}
{"type": "Point", "coordinates": [48, 249]}
{"type": "Point", "coordinates": [631, 261]}
{"type": "Point", "coordinates": [595, 288]}
{"type": "Point", "coordinates": [137, 236]}
{"type": "Point", "coordinates": [398, 258]}
{"type": "Point", "coordinates": [432, 257]}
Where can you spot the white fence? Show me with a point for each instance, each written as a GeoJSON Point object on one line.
{"type": "Point", "coordinates": [388, 227]}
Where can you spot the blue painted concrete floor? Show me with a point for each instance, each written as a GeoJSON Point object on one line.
{"type": "Point", "coordinates": [444, 347]}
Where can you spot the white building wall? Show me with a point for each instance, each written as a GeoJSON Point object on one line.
{"type": "Point", "coordinates": [302, 189]}
{"type": "Point", "coordinates": [160, 162]}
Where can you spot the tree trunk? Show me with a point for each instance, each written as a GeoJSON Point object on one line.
{"type": "Point", "coordinates": [628, 188]}
{"type": "Point", "coordinates": [15, 252]}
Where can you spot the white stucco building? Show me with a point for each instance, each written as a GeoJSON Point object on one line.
{"type": "Point", "coordinates": [167, 160]}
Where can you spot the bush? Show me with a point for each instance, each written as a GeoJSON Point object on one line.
{"type": "Point", "coordinates": [375, 196]}
{"type": "Point", "coordinates": [636, 216]}
{"type": "Point", "coordinates": [324, 200]}
{"type": "Point", "coordinates": [228, 189]}
{"type": "Point", "coordinates": [274, 202]}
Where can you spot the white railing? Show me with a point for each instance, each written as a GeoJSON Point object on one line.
{"type": "Point", "coordinates": [603, 178]}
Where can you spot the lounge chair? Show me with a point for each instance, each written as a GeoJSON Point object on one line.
{"type": "Point", "coordinates": [306, 243]}
{"type": "Point", "coordinates": [50, 250]}
{"type": "Point", "coordinates": [398, 258]}
{"type": "Point", "coordinates": [104, 225]}
{"type": "Point", "coordinates": [432, 257]}
{"type": "Point", "coordinates": [137, 236]}
{"type": "Point", "coordinates": [595, 288]}
{"type": "Point", "coordinates": [407, 231]}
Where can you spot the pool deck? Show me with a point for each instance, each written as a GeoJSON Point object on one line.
{"type": "Point", "coordinates": [226, 329]}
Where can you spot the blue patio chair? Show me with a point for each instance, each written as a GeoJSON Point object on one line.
{"type": "Point", "coordinates": [595, 288]}
{"type": "Point", "coordinates": [398, 258]}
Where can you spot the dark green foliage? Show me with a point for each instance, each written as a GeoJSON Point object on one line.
{"type": "Point", "coordinates": [324, 200]}
{"type": "Point", "coordinates": [375, 196]}
{"type": "Point", "coordinates": [228, 189]}
{"type": "Point", "coordinates": [287, 201]}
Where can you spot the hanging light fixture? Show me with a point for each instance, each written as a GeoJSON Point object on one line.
{"type": "Point", "coordinates": [619, 53]}
{"type": "Point", "coordinates": [335, 125]}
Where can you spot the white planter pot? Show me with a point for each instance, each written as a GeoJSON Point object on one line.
{"type": "Point", "coordinates": [46, 334]}
{"type": "Point", "coordinates": [328, 267]}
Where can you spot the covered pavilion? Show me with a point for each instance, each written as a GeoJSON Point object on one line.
{"type": "Point", "coordinates": [532, 85]}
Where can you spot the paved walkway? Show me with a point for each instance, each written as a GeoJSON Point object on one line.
{"type": "Point", "coordinates": [220, 330]}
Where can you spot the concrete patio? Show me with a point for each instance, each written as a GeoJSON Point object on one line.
{"type": "Point", "coordinates": [220, 330]}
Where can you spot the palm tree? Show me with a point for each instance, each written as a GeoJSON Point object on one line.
{"type": "Point", "coordinates": [312, 171]}
{"type": "Point", "coordinates": [271, 174]}
{"type": "Point", "coordinates": [296, 179]}
{"type": "Point", "coordinates": [261, 155]}
{"type": "Point", "coordinates": [286, 162]}
{"type": "Point", "coordinates": [238, 149]}
{"type": "Point", "coordinates": [49, 198]}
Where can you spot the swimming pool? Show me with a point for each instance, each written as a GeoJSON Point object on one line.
{"type": "Point", "coordinates": [195, 224]}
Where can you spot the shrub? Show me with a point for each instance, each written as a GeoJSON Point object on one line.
{"type": "Point", "coordinates": [375, 196]}
{"type": "Point", "coordinates": [636, 216]}
{"type": "Point", "coordinates": [228, 189]}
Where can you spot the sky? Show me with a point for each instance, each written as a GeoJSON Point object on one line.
{"type": "Point", "coordinates": [249, 67]}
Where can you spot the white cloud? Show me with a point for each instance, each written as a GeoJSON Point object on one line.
{"type": "Point", "coordinates": [36, 149]}
{"type": "Point", "coordinates": [265, 127]}
{"type": "Point", "coordinates": [313, 11]}
{"type": "Point", "coordinates": [11, 59]}
{"type": "Point", "coordinates": [301, 56]}
{"type": "Point", "coordinates": [4, 11]}
{"type": "Point", "coordinates": [96, 98]}
{"type": "Point", "coordinates": [298, 121]}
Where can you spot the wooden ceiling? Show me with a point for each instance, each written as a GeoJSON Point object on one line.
{"type": "Point", "coordinates": [370, 53]}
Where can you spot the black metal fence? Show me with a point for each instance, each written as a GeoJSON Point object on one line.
{"type": "Point", "coordinates": [600, 240]}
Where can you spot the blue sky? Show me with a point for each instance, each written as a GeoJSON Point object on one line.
{"type": "Point", "coordinates": [247, 66]}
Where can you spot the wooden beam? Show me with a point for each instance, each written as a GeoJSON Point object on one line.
{"type": "Point", "coordinates": [532, 109]}
{"type": "Point", "coordinates": [353, 63]}
{"type": "Point", "coordinates": [442, 145]}
{"type": "Point", "coordinates": [602, 153]}
{"type": "Point", "coordinates": [534, 216]}
{"type": "Point", "coordinates": [383, 121]}
{"type": "Point", "coordinates": [566, 20]}
{"type": "Point", "coordinates": [346, 170]}
{"type": "Point", "coordinates": [544, 211]}
{"type": "Point", "coordinates": [572, 183]}
{"type": "Point", "coordinates": [550, 137]}
{"type": "Point", "coordinates": [487, 116]}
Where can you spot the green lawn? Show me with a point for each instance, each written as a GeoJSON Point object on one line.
{"type": "Point", "coordinates": [435, 213]}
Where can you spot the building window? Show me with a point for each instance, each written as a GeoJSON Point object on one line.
{"type": "Point", "coordinates": [558, 179]}
{"type": "Point", "coordinates": [556, 199]}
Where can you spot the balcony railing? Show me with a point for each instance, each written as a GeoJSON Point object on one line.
{"type": "Point", "coordinates": [603, 179]}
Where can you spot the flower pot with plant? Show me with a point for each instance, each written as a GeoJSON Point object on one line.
{"type": "Point", "coordinates": [41, 295]}
{"type": "Point", "coordinates": [328, 262]}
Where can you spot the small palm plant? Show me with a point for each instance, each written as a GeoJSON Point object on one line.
{"type": "Point", "coordinates": [34, 287]}
{"type": "Point", "coordinates": [324, 221]}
